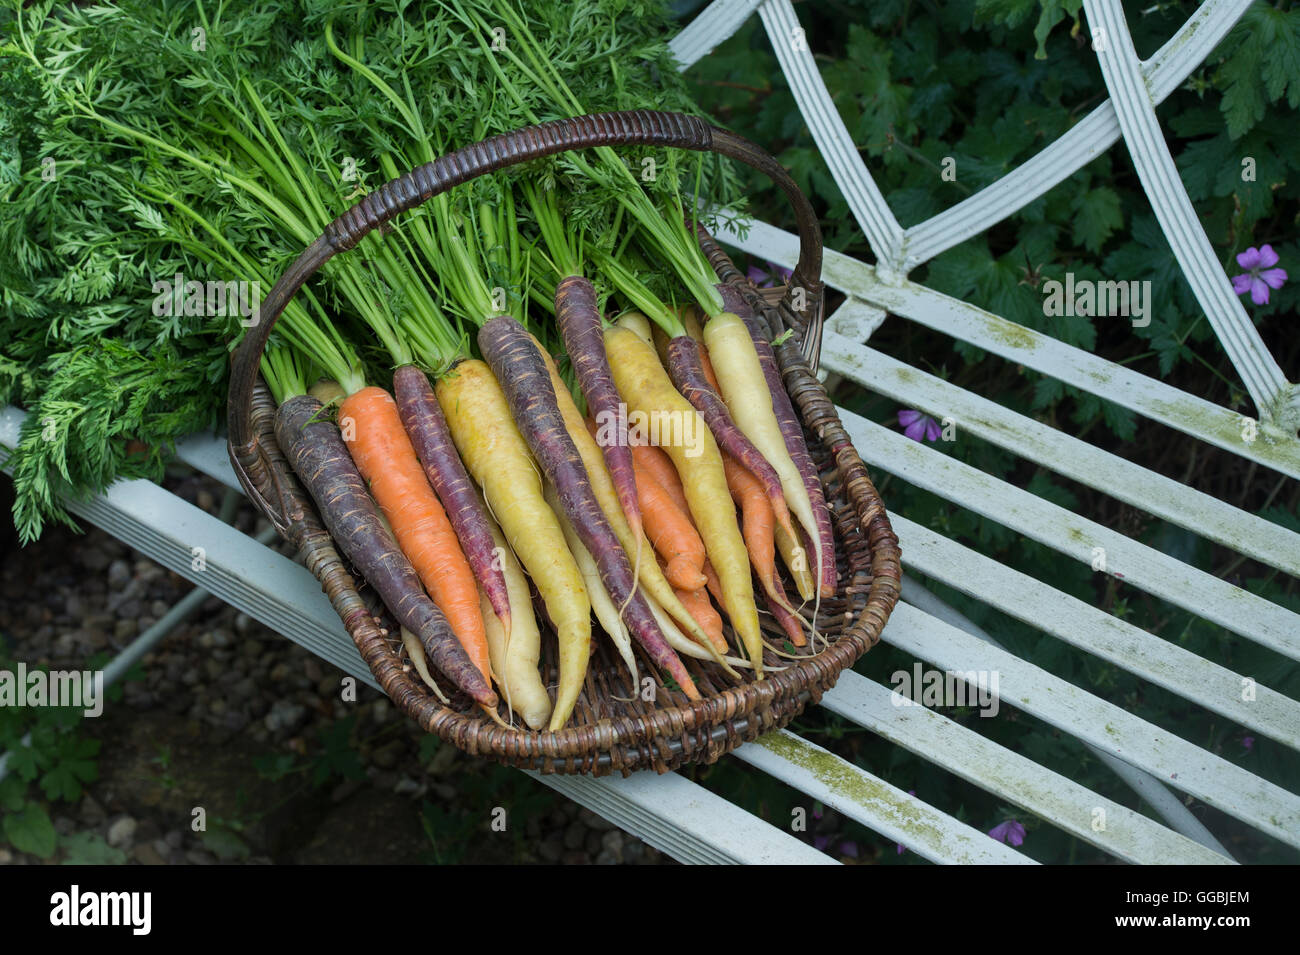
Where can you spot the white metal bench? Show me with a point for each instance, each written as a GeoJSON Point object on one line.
{"type": "Point", "coordinates": [691, 824]}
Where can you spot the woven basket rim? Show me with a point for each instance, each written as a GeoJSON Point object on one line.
{"type": "Point", "coordinates": [669, 735]}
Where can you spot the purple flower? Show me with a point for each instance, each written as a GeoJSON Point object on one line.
{"type": "Point", "coordinates": [849, 849]}
{"type": "Point", "coordinates": [821, 842]}
{"type": "Point", "coordinates": [1010, 832]}
{"type": "Point", "coordinates": [769, 278]}
{"type": "Point", "coordinates": [1248, 743]}
{"type": "Point", "coordinates": [1261, 275]}
{"type": "Point", "coordinates": [917, 426]}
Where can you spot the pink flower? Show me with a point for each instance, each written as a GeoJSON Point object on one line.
{"type": "Point", "coordinates": [918, 426]}
{"type": "Point", "coordinates": [1261, 275]}
{"type": "Point", "coordinates": [1010, 832]}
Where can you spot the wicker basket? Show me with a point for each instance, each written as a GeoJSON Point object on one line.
{"type": "Point", "coordinates": [607, 732]}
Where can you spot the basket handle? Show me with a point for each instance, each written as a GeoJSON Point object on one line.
{"type": "Point", "coordinates": [628, 127]}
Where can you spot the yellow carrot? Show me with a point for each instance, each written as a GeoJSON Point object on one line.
{"type": "Point", "coordinates": [495, 454]}
{"type": "Point", "coordinates": [645, 386]}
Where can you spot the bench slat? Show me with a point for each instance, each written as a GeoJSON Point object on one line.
{"type": "Point", "coordinates": [873, 802]}
{"type": "Point", "coordinates": [1060, 801]}
{"type": "Point", "coordinates": [1121, 479]}
{"type": "Point", "coordinates": [1181, 764]}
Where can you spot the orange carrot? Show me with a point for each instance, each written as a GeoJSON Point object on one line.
{"type": "Point", "coordinates": [655, 462]}
{"type": "Point", "coordinates": [671, 533]}
{"type": "Point", "coordinates": [710, 621]}
{"type": "Point", "coordinates": [779, 606]}
{"type": "Point", "coordinates": [372, 429]}
{"type": "Point", "coordinates": [714, 584]}
{"type": "Point", "coordinates": [758, 524]}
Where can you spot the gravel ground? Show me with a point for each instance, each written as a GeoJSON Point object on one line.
{"type": "Point", "coordinates": [227, 717]}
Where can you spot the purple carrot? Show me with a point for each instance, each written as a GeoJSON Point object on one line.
{"type": "Point", "coordinates": [792, 431]}
{"type": "Point", "coordinates": [688, 374]}
{"type": "Point", "coordinates": [780, 609]}
{"type": "Point", "coordinates": [516, 358]}
{"type": "Point", "coordinates": [579, 319]}
{"type": "Point", "coordinates": [316, 451]}
{"type": "Point", "coordinates": [427, 428]}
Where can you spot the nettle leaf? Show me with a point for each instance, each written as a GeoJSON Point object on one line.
{"type": "Point", "coordinates": [30, 830]}
{"type": "Point", "coordinates": [1098, 214]}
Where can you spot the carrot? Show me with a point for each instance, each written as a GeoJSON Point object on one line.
{"type": "Point", "coordinates": [577, 315]}
{"type": "Point", "coordinates": [518, 361]}
{"type": "Point", "coordinates": [697, 602]}
{"type": "Point", "coordinates": [494, 452]}
{"type": "Point", "coordinates": [659, 593]}
{"type": "Point", "coordinates": [656, 463]}
{"type": "Point", "coordinates": [320, 458]}
{"type": "Point", "coordinates": [749, 399]}
{"type": "Point", "coordinates": [372, 429]}
{"type": "Point", "coordinates": [671, 533]}
{"type": "Point", "coordinates": [602, 604]}
{"type": "Point", "coordinates": [645, 387]}
{"type": "Point", "coordinates": [427, 429]}
{"type": "Point", "coordinates": [714, 586]}
{"type": "Point", "coordinates": [578, 319]}
{"type": "Point", "coordinates": [515, 654]}
{"type": "Point", "coordinates": [792, 435]}
{"type": "Point", "coordinates": [795, 556]}
{"type": "Point", "coordinates": [779, 607]}
{"type": "Point", "coordinates": [688, 647]}
{"type": "Point", "coordinates": [636, 322]}
{"type": "Point", "coordinates": [758, 524]}
{"type": "Point", "coordinates": [750, 457]}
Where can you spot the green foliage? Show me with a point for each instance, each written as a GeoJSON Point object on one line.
{"type": "Point", "coordinates": [30, 830]}
{"type": "Point", "coordinates": [221, 160]}
{"type": "Point", "coordinates": [978, 89]}
{"type": "Point", "coordinates": [87, 848]}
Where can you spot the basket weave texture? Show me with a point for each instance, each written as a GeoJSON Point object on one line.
{"type": "Point", "coordinates": [613, 728]}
